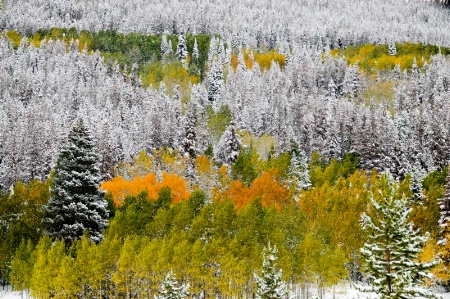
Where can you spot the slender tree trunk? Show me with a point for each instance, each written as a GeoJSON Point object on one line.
{"type": "Point", "coordinates": [388, 260]}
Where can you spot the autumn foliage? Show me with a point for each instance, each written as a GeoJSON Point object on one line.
{"type": "Point", "coordinates": [267, 188]}
{"type": "Point", "coordinates": [264, 60]}
{"type": "Point", "coordinates": [370, 57]}
{"type": "Point", "coordinates": [121, 188]}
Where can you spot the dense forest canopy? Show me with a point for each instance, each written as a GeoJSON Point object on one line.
{"type": "Point", "coordinates": [229, 144]}
{"type": "Point", "coordinates": [331, 23]}
{"type": "Point", "coordinates": [395, 118]}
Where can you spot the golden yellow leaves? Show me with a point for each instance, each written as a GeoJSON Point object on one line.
{"type": "Point", "coordinates": [264, 60]}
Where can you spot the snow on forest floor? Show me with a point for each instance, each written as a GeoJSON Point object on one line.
{"type": "Point", "coordinates": [338, 292]}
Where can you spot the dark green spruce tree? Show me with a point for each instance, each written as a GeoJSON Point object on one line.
{"type": "Point", "coordinates": [76, 204]}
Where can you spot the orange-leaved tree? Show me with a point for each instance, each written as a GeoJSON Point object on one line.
{"type": "Point", "coordinates": [120, 188]}
{"type": "Point", "coordinates": [267, 187]}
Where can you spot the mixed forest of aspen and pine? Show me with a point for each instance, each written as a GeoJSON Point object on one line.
{"type": "Point", "coordinates": [224, 149]}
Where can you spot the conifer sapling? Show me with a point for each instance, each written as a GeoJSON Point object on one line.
{"type": "Point", "coordinates": [270, 285]}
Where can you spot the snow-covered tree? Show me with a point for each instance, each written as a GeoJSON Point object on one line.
{"type": "Point", "coordinates": [392, 250]}
{"type": "Point", "coordinates": [165, 49]}
{"type": "Point", "coordinates": [235, 45]}
{"type": "Point", "coordinates": [212, 51]}
{"type": "Point", "coordinates": [270, 284]}
{"type": "Point", "coordinates": [298, 170]}
{"type": "Point", "coordinates": [107, 151]}
{"type": "Point", "coordinates": [195, 53]}
{"type": "Point", "coordinates": [76, 204]}
{"type": "Point", "coordinates": [418, 22]}
{"type": "Point", "coordinates": [34, 121]}
{"type": "Point", "coordinates": [172, 289]}
{"type": "Point", "coordinates": [392, 48]}
{"type": "Point", "coordinates": [189, 141]}
{"type": "Point", "coordinates": [215, 83]}
{"type": "Point", "coordinates": [181, 47]}
{"type": "Point", "coordinates": [417, 175]}
{"type": "Point", "coordinates": [170, 47]}
{"type": "Point", "coordinates": [352, 84]}
{"type": "Point", "coordinates": [332, 89]}
{"type": "Point", "coordinates": [229, 145]}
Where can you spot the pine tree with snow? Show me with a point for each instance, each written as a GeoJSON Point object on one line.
{"type": "Point", "coordinates": [392, 48]}
{"type": "Point", "coordinates": [215, 83]}
{"type": "Point", "coordinates": [181, 47]}
{"type": "Point", "coordinates": [352, 83]}
{"type": "Point", "coordinates": [392, 250]}
{"type": "Point", "coordinates": [76, 205]}
{"type": "Point", "coordinates": [212, 51]}
{"type": "Point", "coordinates": [172, 289]}
{"type": "Point", "coordinates": [229, 145]}
{"type": "Point", "coordinates": [190, 137]}
{"type": "Point", "coordinates": [165, 46]}
{"type": "Point", "coordinates": [332, 89]}
{"type": "Point", "coordinates": [235, 45]}
{"type": "Point", "coordinates": [170, 47]}
{"type": "Point", "coordinates": [195, 53]}
{"type": "Point", "coordinates": [417, 175]}
{"type": "Point", "coordinates": [298, 170]}
{"type": "Point", "coordinates": [270, 285]}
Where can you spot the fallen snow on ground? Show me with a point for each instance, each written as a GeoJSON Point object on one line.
{"type": "Point", "coordinates": [350, 292]}
{"type": "Point", "coordinates": [12, 295]}
{"type": "Point", "coordinates": [7, 293]}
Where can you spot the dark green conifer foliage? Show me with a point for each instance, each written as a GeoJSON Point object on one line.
{"type": "Point", "coordinates": [76, 205]}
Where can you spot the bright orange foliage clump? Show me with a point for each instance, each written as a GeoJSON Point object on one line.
{"type": "Point", "coordinates": [177, 185]}
{"type": "Point", "coordinates": [266, 187]}
{"type": "Point", "coordinates": [269, 190]}
{"type": "Point", "coordinates": [120, 188]}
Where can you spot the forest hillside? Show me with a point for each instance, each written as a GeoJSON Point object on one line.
{"type": "Point", "coordinates": [224, 149]}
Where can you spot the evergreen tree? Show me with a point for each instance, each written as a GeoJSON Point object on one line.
{"type": "Point", "coordinates": [215, 83]}
{"type": "Point", "coordinates": [181, 47]}
{"type": "Point", "coordinates": [108, 151]}
{"type": "Point", "coordinates": [269, 285]}
{"type": "Point", "coordinates": [298, 171]}
{"type": "Point", "coordinates": [417, 175]}
{"type": "Point", "coordinates": [332, 89]}
{"type": "Point", "coordinates": [165, 49]}
{"type": "Point", "coordinates": [195, 53]}
{"type": "Point", "coordinates": [76, 204]}
{"type": "Point", "coordinates": [169, 47]}
{"type": "Point", "coordinates": [172, 289]}
{"type": "Point", "coordinates": [392, 250]}
{"type": "Point", "coordinates": [235, 45]}
{"type": "Point", "coordinates": [392, 48]}
{"type": "Point", "coordinates": [229, 146]}
{"type": "Point", "coordinates": [189, 140]}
